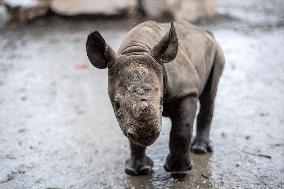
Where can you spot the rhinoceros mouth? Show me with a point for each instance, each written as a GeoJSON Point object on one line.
{"type": "Point", "coordinates": [140, 143]}
{"type": "Point", "coordinates": [145, 141]}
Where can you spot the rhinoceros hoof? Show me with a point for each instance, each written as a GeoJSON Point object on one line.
{"type": "Point", "coordinates": [201, 146]}
{"type": "Point", "coordinates": [136, 167]}
{"type": "Point", "coordinates": [176, 168]}
{"type": "Point", "coordinates": [177, 174]}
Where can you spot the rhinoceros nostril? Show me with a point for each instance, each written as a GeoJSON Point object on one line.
{"type": "Point", "coordinates": [131, 134]}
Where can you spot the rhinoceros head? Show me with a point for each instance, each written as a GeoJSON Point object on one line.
{"type": "Point", "coordinates": [135, 84]}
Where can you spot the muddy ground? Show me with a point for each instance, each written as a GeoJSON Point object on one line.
{"type": "Point", "coordinates": [58, 130]}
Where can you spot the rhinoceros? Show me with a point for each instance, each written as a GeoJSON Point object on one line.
{"type": "Point", "coordinates": [161, 70]}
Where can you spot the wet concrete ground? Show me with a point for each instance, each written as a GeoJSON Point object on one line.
{"type": "Point", "coordinates": [57, 128]}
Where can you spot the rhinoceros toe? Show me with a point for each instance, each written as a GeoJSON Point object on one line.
{"type": "Point", "coordinates": [200, 146]}
{"type": "Point", "coordinates": [136, 167]}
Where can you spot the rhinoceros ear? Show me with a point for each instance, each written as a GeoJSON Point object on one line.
{"type": "Point", "coordinates": [99, 53]}
{"type": "Point", "coordinates": [166, 49]}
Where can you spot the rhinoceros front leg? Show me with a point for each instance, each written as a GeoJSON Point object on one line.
{"type": "Point", "coordinates": [138, 163]}
{"type": "Point", "coordinates": [178, 161]}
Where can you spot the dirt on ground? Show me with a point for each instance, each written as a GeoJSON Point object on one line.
{"type": "Point", "coordinates": [58, 130]}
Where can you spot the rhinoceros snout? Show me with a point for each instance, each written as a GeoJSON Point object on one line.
{"type": "Point", "coordinates": [142, 136]}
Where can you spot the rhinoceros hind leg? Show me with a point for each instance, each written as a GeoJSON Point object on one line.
{"type": "Point", "coordinates": [201, 143]}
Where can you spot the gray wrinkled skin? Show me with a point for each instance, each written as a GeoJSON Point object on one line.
{"type": "Point", "coordinates": [193, 63]}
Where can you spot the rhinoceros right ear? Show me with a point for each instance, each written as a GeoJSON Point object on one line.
{"type": "Point", "coordinates": [166, 49]}
{"type": "Point", "coordinates": [99, 53]}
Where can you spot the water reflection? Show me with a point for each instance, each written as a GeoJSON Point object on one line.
{"type": "Point", "coordinates": [199, 176]}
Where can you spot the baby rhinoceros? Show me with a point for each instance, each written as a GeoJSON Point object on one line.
{"type": "Point", "coordinates": [160, 71]}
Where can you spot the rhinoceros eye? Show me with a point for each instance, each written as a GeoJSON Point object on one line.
{"type": "Point", "coordinates": [162, 101]}
{"type": "Point", "coordinates": [116, 104]}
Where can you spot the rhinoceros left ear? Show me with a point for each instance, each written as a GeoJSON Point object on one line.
{"type": "Point", "coordinates": [166, 49]}
{"type": "Point", "coordinates": [99, 53]}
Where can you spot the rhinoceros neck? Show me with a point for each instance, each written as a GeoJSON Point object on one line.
{"type": "Point", "coordinates": [135, 48]}
{"type": "Point", "coordinates": [142, 38]}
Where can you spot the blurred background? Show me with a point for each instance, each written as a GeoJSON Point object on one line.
{"type": "Point", "coordinates": [57, 127]}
